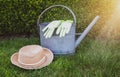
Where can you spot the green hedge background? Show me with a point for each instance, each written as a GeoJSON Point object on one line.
{"type": "Point", "coordinates": [20, 16]}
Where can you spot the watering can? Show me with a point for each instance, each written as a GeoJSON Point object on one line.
{"type": "Point", "coordinates": [66, 44]}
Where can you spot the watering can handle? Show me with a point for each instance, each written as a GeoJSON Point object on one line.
{"type": "Point", "coordinates": [38, 21]}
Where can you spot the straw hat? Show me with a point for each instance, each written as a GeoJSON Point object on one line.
{"type": "Point", "coordinates": [32, 57]}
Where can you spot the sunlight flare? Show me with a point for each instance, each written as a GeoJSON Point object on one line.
{"type": "Point", "coordinates": [111, 28]}
{"type": "Point", "coordinates": [118, 6]}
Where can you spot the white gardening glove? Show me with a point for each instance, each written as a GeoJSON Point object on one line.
{"type": "Point", "coordinates": [49, 29]}
{"type": "Point", "coordinates": [64, 28]}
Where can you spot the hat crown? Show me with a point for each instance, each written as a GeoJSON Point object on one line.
{"type": "Point", "coordinates": [30, 51]}
{"type": "Point", "coordinates": [30, 54]}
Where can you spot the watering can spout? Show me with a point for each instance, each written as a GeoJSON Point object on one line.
{"type": "Point", "coordinates": [85, 32]}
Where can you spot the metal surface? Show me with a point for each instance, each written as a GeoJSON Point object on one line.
{"type": "Point", "coordinates": [67, 44]}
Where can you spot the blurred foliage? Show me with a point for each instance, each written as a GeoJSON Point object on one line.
{"type": "Point", "coordinates": [20, 16]}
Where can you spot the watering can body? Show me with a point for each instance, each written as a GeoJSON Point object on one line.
{"type": "Point", "coordinates": [66, 44]}
{"type": "Point", "coordinates": [63, 45]}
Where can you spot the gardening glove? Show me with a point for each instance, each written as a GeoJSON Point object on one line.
{"type": "Point", "coordinates": [49, 29]}
{"type": "Point", "coordinates": [64, 28]}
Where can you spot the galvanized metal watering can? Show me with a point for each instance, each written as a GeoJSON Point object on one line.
{"type": "Point", "coordinates": [67, 44]}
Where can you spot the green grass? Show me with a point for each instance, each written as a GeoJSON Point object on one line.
{"type": "Point", "coordinates": [92, 59]}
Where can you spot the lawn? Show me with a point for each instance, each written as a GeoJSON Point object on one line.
{"type": "Point", "coordinates": [93, 58]}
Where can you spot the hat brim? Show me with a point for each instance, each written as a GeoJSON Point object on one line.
{"type": "Point", "coordinates": [48, 55]}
